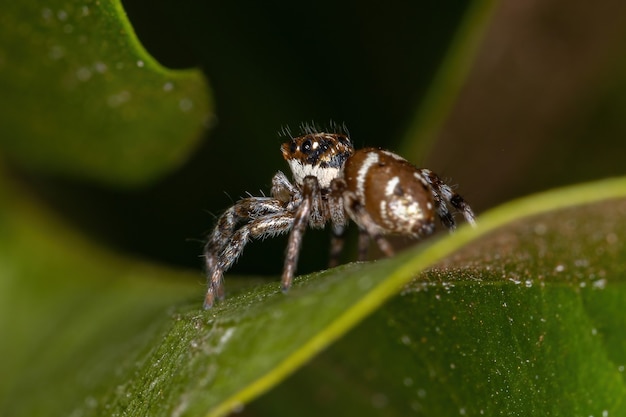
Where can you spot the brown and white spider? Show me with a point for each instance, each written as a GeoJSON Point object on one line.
{"type": "Point", "coordinates": [332, 182]}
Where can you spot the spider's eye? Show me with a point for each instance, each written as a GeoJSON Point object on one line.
{"type": "Point", "coordinates": [293, 146]}
{"type": "Point", "coordinates": [306, 146]}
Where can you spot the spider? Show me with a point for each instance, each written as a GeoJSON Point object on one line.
{"type": "Point", "coordinates": [332, 183]}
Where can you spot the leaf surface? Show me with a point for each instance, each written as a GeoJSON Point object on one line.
{"type": "Point", "coordinates": [173, 358]}
{"type": "Point", "coordinates": [81, 97]}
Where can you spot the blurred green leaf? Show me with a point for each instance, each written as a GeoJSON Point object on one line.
{"type": "Point", "coordinates": [81, 97]}
{"type": "Point", "coordinates": [71, 314]}
{"type": "Point", "coordinates": [437, 104]}
{"type": "Point", "coordinates": [540, 106]}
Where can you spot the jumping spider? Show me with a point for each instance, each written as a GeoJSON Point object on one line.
{"type": "Point", "coordinates": [332, 182]}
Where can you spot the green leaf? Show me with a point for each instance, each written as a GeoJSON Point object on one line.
{"type": "Point", "coordinates": [139, 345]}
{"type": "Point", "coordinates": [81, 97]}
{"type": "Point", "coordinates": [526, 320]}
{"type": "Point", "coordinates": [70, 313]}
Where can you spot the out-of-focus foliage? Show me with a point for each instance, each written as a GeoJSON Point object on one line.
{"type": "Point", "coordinates": [80, 96]}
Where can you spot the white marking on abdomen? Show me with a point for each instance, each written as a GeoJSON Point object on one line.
{"type": "Point", "coordinates": [393, 155]}
{"type": "Point", "coordinates": [371, 159]}
{"type": "Point", "coordinates": [391, 186]}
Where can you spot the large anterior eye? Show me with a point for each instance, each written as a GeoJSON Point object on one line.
{"type": "Point", "coordinates": [306, 146]}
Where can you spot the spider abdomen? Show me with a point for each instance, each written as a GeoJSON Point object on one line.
{"type": "Point", "coordinates": [392, 191]}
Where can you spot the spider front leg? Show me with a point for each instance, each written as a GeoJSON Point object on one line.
{"type": "Point", "coordinates": [244, 210]}
{"type": "Point", "coordinates": [307, 210]}
{"type": "Point", "coordinates": [264, 216]}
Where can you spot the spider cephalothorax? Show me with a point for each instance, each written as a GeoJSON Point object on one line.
{"type": "Point", "coordinates": [321, 155]}
{"type": "Point", "coordinates": [332, 183]}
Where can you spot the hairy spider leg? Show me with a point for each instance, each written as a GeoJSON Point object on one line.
{"type": "Point", "coordinates": [243, 210]}
{"type": "Point", "coordinates": [258, 228]}
{"type": "Point", "coordinates": [363, 245]}
{"type": "Point", "coordinates": [337, 241]}
{"type": "Point", "coordinates": [226, 242]}
{"type": "Point", "coordinates": [308, 213]}
{"type": "Point", "coordinates": [338, 220]}
{"type": "Point", "coordinates": [443, 194]}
